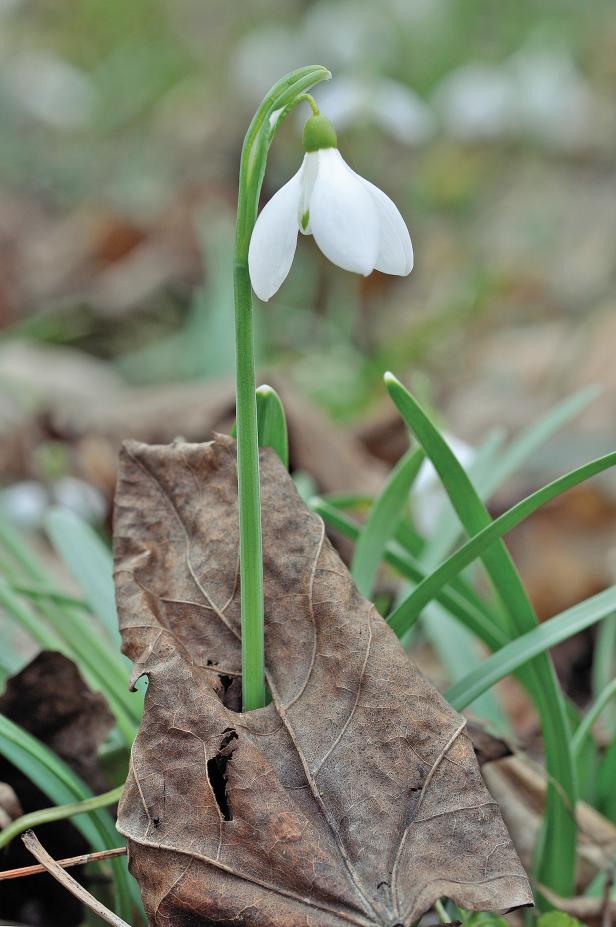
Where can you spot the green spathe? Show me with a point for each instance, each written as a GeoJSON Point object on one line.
{"type": "Point", "coordinates": [319, 133]}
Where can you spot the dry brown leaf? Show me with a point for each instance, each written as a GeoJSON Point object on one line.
{"type": "Point", "coordinates": [520, 788]}
{"type": "Point", "coordinates": [49, 698]}
{"type": "Point", "coordinates": [355, 796]}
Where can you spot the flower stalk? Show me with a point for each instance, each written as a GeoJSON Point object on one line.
{"type": "Point", "coordinates": [280, 100]}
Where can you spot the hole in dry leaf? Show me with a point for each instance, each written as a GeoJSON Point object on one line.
{"type": "Point", "coordinates": [229, 691]}
{"type": "Point", "coordinates": [217, 773]}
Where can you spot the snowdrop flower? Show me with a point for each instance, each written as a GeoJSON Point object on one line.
{"type": "Point", "coordinates": [388, 103]}
{"type": "Point", "coordinates": [353, 222]}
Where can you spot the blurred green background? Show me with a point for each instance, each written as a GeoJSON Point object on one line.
{"type": "Point", "coordinates": [493, 126]}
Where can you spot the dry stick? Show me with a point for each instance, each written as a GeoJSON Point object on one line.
{"type": "Point", "coordinates": [63, 863]}
{"type": "Point", "coordinates": [35, 847]}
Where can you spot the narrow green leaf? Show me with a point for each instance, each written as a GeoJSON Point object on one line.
{"type": "Point", "coordinates": [475, 619]}
{"type": "Point", "coordinates": [606, 779]}
{"type": "Point", "coordinates": [459, 652]}
{"type": "Point", "coordinates": [53, 595]}
{"type": "Point", "coordinates": [28, 619]}
{"type": "Point", "coordinates": [604, 667]}
{"type": "Point", "coordinates": [591, 716]}
{"type": "Point", "coordinates": [350, 500]}
{"type": "Point", "coordinates": [102, 665]}
{"type": "Point", "coordinates": [89, 562]}
{"type": "Point", "coordinates": [557, 864]}
{"type": "Point", "coordinates": [60, 784]}
{"type": "Point", "coordinates": [272, 422]}
{"type": "Point", "coordinates": [414, 545]}
{"type": "Point", "coordinates": [528, 646]}
{"type": "Point", "coordinates": [381, 524]}
{"type": "Point", "coordinates": [491, 470]}
{"type": "Point", "coordinates": [447, 529]}
{"type": "Point", "coordinates": [526, 444]}
{"type": "Point", "coordinates": [408, 611]}
{"type": "Point", "coordinates": [58, 813]}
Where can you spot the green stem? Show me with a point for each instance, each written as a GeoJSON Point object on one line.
{"type": "Point", "coordinates": [312, 103]}
{"type": "Point", "coordinates": [280, 100]}
{"type": "Point", "coordinates": [251, 548]}
{"type": "Point", "coordinates": [58, 813]}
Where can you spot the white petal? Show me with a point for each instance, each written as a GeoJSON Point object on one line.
{"type": "Point", "coordinates": [343, 215]}
{"type": "Point", "coordinates": [310, 168]}
{"type": "Point", "coordinates": [395, 255]}
{"type": "Point", "coordinates": [274, 239]}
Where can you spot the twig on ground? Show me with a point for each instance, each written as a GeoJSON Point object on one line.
{"type": "Point", "coordinates": [63, 863]}
{"type": "Point", "coordinates": [35, 847]}
{"type": "Point", "coordinates": [582, 907]}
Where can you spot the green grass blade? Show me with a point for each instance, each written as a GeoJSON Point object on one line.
{"type": "Point", "coordinates": [410, 609]}
{"type": "Point", "coordinates": [606, 779]}
{"type": "Point", "coordinates": [416, 547]}
{"type": "Point", "coordinates": [58, 813]}
{"type": "Point", "coordinates": [447, 528]}
{"type": "Point", "coordinates": [20, 612]}
{"type": "Point", "coordinates": [272, 422]}
{"type": "Point", "coordinates": [36, 593]}
{"type": "Point", "coordinates": [525, 445]}
{"type": "Point", "coordinates": [350, 500]}
{"type": "Point", "coordinates": [557, 864]}
{"type": "Point", "coordinates": [388, 508]}
{"type": "Point", "coordinates": [459, 653]}
{"type": "Point", "coordinates": [60, 784]}
{"type": "Point", "coordinates": [103, 666]}
{"type": "Point", "coordinates": [90, 564]}
{"type": "Point", "coordinates": [475, 619]}
{"type": "Point", "coordinates": [528, 646]}
{"type": "Point", "coordinates": [491, 470]}
{"type": "Point", "coordinates": [585, 728]}
{"type": "Point", "coordinates": [604, 666]}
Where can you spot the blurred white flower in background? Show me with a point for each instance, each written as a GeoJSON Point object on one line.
{"type": "Point", "coordinates": [555, 102]}
{"type": "Point", "coordinates": [344, 32]}
{"type": "Point", "coordinates": [386, 103]}
{"type": "Point", "coordinates": [262, 56]}
{"type": "Point", "coordinates": [538, 92]}
{"type": "Point", "coordinates": [476, 101]}
{"type": "Point", "coordinates": [79, 497]}
{"type": "Point", "coordinates": [428, 498]}
{"type": "Point", "coordinates": [9, 6]}
{"type": "Point", "coordinates": [49, 89]}
{"type": "Point", "coordinates": [344, 35]}
{"type": "Point", "coordinates": [26, 503]}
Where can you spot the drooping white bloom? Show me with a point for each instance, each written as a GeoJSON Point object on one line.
{"type": "Point", "coordinates": [354, 224]}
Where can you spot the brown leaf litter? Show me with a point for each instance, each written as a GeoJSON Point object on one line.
{"type": "Point", "coordinates": [354, 797]}
{"type": "Point", "coordinates": [49, 698]}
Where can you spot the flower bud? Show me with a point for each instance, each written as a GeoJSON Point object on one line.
{"type": "Point", "coordinates": [319, 133]}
